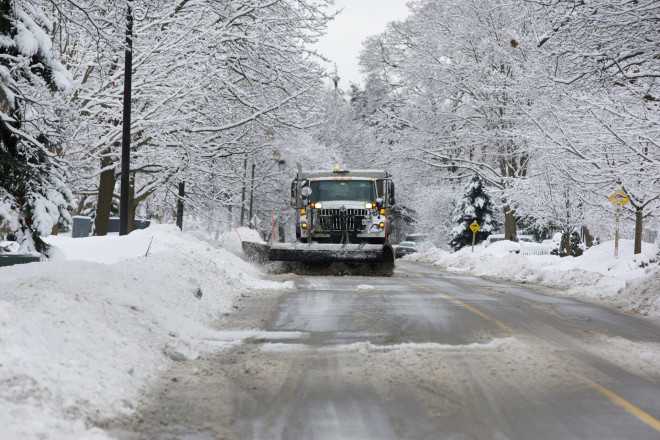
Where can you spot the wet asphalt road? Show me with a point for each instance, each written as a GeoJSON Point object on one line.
{"type": "Point", "coordinates": [425, 355]}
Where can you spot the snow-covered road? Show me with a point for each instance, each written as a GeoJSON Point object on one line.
{"type": "Point", "coordinates": [425, 354]}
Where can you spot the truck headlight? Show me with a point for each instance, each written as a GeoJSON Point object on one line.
{"type": "Point", "coordinates": [317, 205]}
{"type": "Point", "coordinates": [369, 205]}
{"type": "Point", "coordinates": [304, 225]}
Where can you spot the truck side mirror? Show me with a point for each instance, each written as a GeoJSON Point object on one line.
{"type": "Point", "coordinates": [390, 191]}
{"type": "Point", "coordinates": [293, 193]}
{"type": "Point", "coordinates": [306, 191]}
{"type": "Point", "coordinates": [379, 202]}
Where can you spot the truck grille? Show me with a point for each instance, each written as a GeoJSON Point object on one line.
{"type": "Point", "coordinates": [335, 219]}
{"type": "Point", "coordinates": [348, 212]}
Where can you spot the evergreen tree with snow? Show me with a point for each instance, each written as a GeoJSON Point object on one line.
{"type": "Point", "coordinates": [474, 206]}
{"type": "Point", "coordinates": [569, 245]}
{"type": "Point", "coordinates": [33, 196]}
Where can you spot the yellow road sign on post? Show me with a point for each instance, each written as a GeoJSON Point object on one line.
{"type": "Point", "coordinates": [475, 227]}
{"type": "Point", "coordinates": [619, 198]}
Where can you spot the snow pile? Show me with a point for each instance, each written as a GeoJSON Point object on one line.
{"type": "Point", "coordinates": [625, 282]}
{"type": "Point", "coordinates": [79, 338]}
{"type": "Point", "coordinates": [408, 349]}
{"type": "Point", "coordinates": [643, 294]}
{"type": "Point", "coordinates": [640, 358]}
{"type": "Point", "coordinates": [498, 344]}
{"type": "Point", "coordinates": [8, 246]}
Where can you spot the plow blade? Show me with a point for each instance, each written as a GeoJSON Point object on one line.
{"type": "Point", "coordinates": [319, 258]}
{"type": "Point", "coordinates": [379, 258]}
{"type": "Point", "coordinates": [256, 252]}
{"type": "Point", "coordinates": [326, 253]}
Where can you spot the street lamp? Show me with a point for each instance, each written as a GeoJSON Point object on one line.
{"type": "Point", "coordinates": [278, 159]}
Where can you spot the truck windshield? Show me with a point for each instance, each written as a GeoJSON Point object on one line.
{"type": "Point", "coordinates": [352, 190]}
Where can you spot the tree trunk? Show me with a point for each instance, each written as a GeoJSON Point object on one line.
{"type": "Point", "coordinates": [588, 238]}
{"type": "Point", "coordinates": [509, 224]}
{"type": "Point", "coordinates": [638, 230]}
{"type": "Point", "coordinates": [81, 205]}
{"type": "Point", "coordinates": [104, 203]}
{"type": "Point", "coordinates": [252, 198]}
{"type": "Point", "coordinates": [243, 193]}
{"type": "Point", "coordinates": [179, 205]}
{"type": "Point", "coordinates": [567, 244]}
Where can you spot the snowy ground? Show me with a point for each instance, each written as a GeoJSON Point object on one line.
{"type": "Point", "coordinates": [630, 282]}
{"type": "Point", "coordinates": [82, 333]}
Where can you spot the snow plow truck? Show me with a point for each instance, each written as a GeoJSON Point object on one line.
{"type": "Point", "coordinates": [342, 216]}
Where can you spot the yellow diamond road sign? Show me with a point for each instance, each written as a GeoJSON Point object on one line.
{"type": "Point", "coordinates": [475, 227]}
{"type": "Point", "coordinates": [619, 198]}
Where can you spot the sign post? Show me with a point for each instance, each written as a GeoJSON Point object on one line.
{"type": "Point", "coordinates": [618, 199]}
{"type": "Point", "coordinates": [475, 227]}
{"type": "Point", "coordinates": [255, 222]}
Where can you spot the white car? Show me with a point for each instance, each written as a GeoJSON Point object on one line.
{"type": "Point", "coordinates": [493, 238]}
{"type": "Point", "coordinates": [405, 248]}
{"type": "Point", "coordinates": [527, 239]}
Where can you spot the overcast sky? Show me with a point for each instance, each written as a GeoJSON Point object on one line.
{"type": "Point", "coordinates": [359, 20]}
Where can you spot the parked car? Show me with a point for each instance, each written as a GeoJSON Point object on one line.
{"type": "Point", "coordinates": [527, 239]}
{"type": "Point", "coordinates": [492, 238]}
{"type": "Point", "coordinates": [405, 248]}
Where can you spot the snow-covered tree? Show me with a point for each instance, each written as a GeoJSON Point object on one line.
{"type": "Point", "coordinates": [606, 41]}
{"type": "Point", "coordinates": [209, 80]}
{"type": "Point", "coordinates": [569, 244]}
{"type": "Point", "coordinates": [474, 206]}
{"type": "Point", "coordinates": [33, 195]}
{"type": "Point", "coordinates": [451, 80]}
{"type": "Point", "coordinates": [549, 197]}
{"type": "Point", "coordinates": [603, 105]}
{"type": "Point", "coordinates": [505, 89]}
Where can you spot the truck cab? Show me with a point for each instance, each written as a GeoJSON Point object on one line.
{"type": "Point", "coordinates": [342, 206]}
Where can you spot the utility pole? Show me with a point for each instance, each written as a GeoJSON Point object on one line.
{"type": "Point", "coordinates": [126, 139]}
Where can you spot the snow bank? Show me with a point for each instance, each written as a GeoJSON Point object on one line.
{"type": "Point", "coordinates": [81, 335]}
{"type": "Point", "coordinates": [627, 282]}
